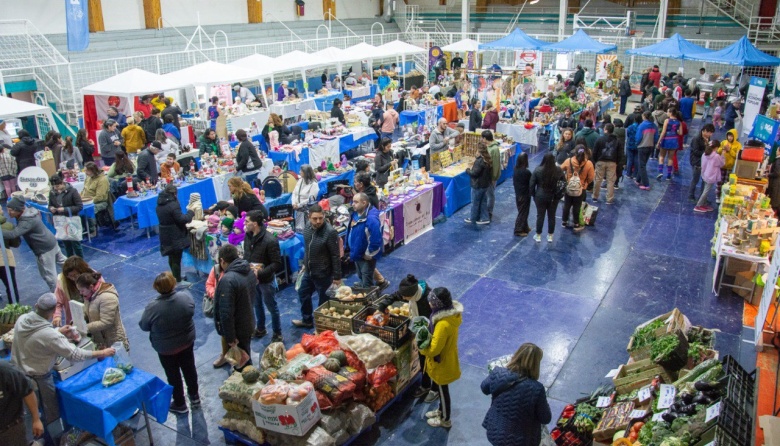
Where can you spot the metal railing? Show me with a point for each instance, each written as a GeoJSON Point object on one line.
{"type": "Point", "coordinates": [764, 30]}
{"type": "Point", "coordinates": [739, 10]}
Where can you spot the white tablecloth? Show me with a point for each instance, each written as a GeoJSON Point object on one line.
{"type": "Point", "coordinates": [519, 133]}
{"type": "Point", "coordinates": [221, 181]}
{"type": "Point", "coordinates": [245, 121]}
{"type": "Point", "coordinates": [294, 109]}
{"type": "Point", "coordinates": [323, 150]}
{"type": "Point", "coordinates": [361, 132]}
{"type": "Point", "coordinates": [358, 92]}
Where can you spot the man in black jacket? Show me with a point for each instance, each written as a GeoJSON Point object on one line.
{"type": "Point", "coordinates": [606, 154]}
{"type": "Point", "coordinates": [24, 151]}
{"type": "Point", "coordinates": [233, 302]}
{"type": "Point", "coordinates": [321, 264]}
{"type": "Point", "coordinates": [65, 200]}
{"type": "Point", "coordinates": [475, 116]}
{"type": "Point", "coordinates": [579, 76]}
{"type": "Point", "coordinates": [698, 144]}
{"type": "Point", "coordinates": [151, 124]}
{"type": "Point", "coordinates": [147, 169]}
{"type": "Point", "coordinates": [174, 111]}
{"type": "Point", "coordinates": [567, 121]}
{"type": "Point", "coordinates": [261, 250]}
{"type": "Point", "coordinates": [247, 159]}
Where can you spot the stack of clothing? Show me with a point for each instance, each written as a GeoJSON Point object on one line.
{"type": "Point", "coordinates": [281, 229]}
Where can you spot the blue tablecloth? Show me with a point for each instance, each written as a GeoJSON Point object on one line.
{"type": "Point", "coordinates": [348, 142]}
{"type": "Point", "coordinates": [289, 158]}
{"type": "Point", "coordinates": [256, 138]}
{"type": "Point", "coordinates": [292, 249]}
{"type": "Point", "coordinates": [322, 101]}
{"type": "Point", "coordinates": [348, 175]}
{"type": "Point", "coordinates": [86, 404]}
{"type": "Point", "coordinates": [145, 207]}
{"type": "Point", "coordinates": [410, 116]}
{"type": "Point", "coordinates": [507, 173]}
{"type": "Point", "coordinates": [88, 211]}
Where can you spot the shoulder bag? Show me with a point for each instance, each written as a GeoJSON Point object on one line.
{"type": "Point", "coordinates": [68, 228]}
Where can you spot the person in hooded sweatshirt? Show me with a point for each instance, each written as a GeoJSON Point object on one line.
{"type": "Point", "coordinates": [101, 307]}
{"type": "Point", "coordinates": [698, 145]}
{"type": "Point", "coordinates": [174, 237]}
{"type": "Point", "coordinates": [729, 148]}
{"type": "Point", "coordinates": [519, 402]}
{"type": "Point", "coordinates": [589, 133]}
{"type": "Point", "coordinates": [37, 345]}
{"type": "Point", "coordinates": [24, 150]}
{"type": "Point", "coordinates": [41, 241]}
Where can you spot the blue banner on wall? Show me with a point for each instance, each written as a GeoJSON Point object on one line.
{"type": "Point", "coordinates": [77, 21]}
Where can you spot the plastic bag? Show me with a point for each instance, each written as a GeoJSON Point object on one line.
{"type": "Point", "coordinates": [122, 359]}
{"type": "Point", "coordinates": [274, 356]}
{"type": "Point", "coordinates": [336, 387]}
{"type": "Point", "coordinates": [370, 349]}
{"type": "Point", "coordinates": [296, 366]}
{"type": "Point", "coordinates": [323, 343]}
{"type": "Point", "coordinates": [296, 394]}
{"type": "Point", "coordinates": [294, 351]}
{"type": "Point", "coordinates": [113, 376]}
{"type": "Point", "coordinates": [237, 357]}
{"type": "Point", "coordinates": [275, 392]}
{"type": "Point", "coordinates": [382, 374]}
{"type": "Point", "coordinates": [360, 417]}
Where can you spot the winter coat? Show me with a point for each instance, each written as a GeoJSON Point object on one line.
{"type": "Point", "coordinates": [24, 152]}
{"type": "Point", "coordinates": [579, 76]}
{"type": "Point", "coordinates": [494, 149]}
{"type": "Point", "coordinates": [173, 230]}
{"type": "Point", "coordinates": [69, 199]}
{"type": "Point", "coordinates": [56, 153]}
{"type": "Point", "coordinates": [103, 319]}
{"type": "Point", "coordinates": [710, 167]}
{"type": "Point", "coordinates": [106, 143]}
{"type": "Point", "coordinates": [382, 165]}
{"type": "Point", "coordinates": [567, 123]}
{"type": "Point", "coordinates": [490, 120]}
{"type": "Point", "coordinates": [30, 226]}
{"type": "Point", "coordinates": [263, 248]}
{"type": "Point", "coordinates": [150, 125]}
{"type": "Point", "coordinates": [698, 145]}
{"type": "Point", "coordinates": [303, 193]}
{"type": "Point", "coordinates": [587, 173]}
{"type": "Point", "coordinates": [475, 119]}
{"type": "Point", "coordinates": [517, 413]}
{"type": "Point", "coordinates": [246, 152]}
{"type": "Point", "coordinates": [321, 256]}
{"type": "Point", "coordinates": [64, 296]}
{"type": "Point", "coordinates": [168, 319]}
{"type": "Point", "coordinates": [75, 157]}
{"type": "Point", "coordinates": [87, 151]}
{"type": "Point", "coordinates": [481, 175]}
{"type": "Point", "coordinates": [364, 235]}
{"type": "Point", "coordinates": [646, 134]}
{"type": "Point", "coordinates": [625, 88]}
{"type": "Point", "coordinates": [248, 203]}
{"type": "Point", "coordinates": [730, 150]}
{"type": "Point", "coordinates": [421, 302]}
{"type": "Point", "coordinates": [730, 115]}
{"type": "Point", "coordinates": [538, 189]}
{"type": "Point", "coordinates": [233, 314]}
{"type": "Point", "coordinates": [631, 136]}
{"type": "Point", "coordinates": [521, 180]}
{"type": "Point", "coordinates": [147, 169]}
{"type": "Point", "coordinates": [441, 357]}
{"type": "Point", "coordinates": [206, 145]}
{"type": "Point", "coordinates": [655, 77]}
{"type": "Point", "coordinates": [96, 188]}
{"type": "Point", "coordinates": [37, 345]}
{"type": "Point", "coordinates": [599, 149]}
{"type": "Point", "coordinates": [565, 151]}
{"type": "Point", "coordinates": [283, 130]}
{"type": "Point", "coordinates": [590, 136]}
{"type": "Point", "coordinates": [135, 138]}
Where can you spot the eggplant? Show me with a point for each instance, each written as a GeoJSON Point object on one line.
{"type": "Point", "coordinates": [669, 417]}
{"type": "Point", "coordinates": [688, 409]}
{"type": "Point", "coordinates": [703, 386]}
{"type": "Point", "coordinates": [686, 397]}
{"type": "Point", "coordinates": [702, 399]}
{"type": "Point", "coordinates": [712, 394]}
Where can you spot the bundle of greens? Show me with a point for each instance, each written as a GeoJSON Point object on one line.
{"type": "Point", "coordinates": [662, 348]}
{"type": "Point", "coordinates": [646, 335]}
{"type": "Point", "coordinates": [587, 418]}
{"type": "Point", "coordinates": [10, 313]}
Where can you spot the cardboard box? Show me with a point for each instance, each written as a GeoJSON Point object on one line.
{"type": "Point", "coordinates": [291, 420]}
{"type": "Point", "coordinates": [407, 363]}
{"type": "Point", "coordinates": [735, 266]}
{"type": "Point", "coordinates": [745, 279]}
{"type": "Point", "coordinates": [48, 166]}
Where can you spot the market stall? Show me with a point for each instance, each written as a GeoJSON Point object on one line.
{"type": "Point", "coordinates": [13, 108]}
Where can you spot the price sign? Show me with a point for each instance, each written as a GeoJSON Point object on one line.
{"type": "Point", "coordinates": [644, 394]}
{"type": "Point", "coordinates": [712, 412]}
{"type": "Point", "coordinates": [666, 396]}
{"type": "Point", "coordinates": [603, 401]}
{"type": "Point", "coordinates": [659, 416]}
{"type": "Point", "coordinates": [636, 413]}
{"type": "Point", "coordinates": [612, 373]}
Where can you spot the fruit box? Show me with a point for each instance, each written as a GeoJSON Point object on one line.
{"type": "Point", "coordinates": [638, 374]}
{"type": "Point", "coordinates": [407, 363]}
{"type": "Point", "coordinates": [615, 418]}
{"type": "Point", "coordinates": [292, 420]}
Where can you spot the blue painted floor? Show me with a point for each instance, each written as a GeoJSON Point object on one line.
{"type": "Point", "coordinates": [579, 298]}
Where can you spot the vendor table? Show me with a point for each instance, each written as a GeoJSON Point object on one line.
{"type": "Point", "coordinates": [358, 93]}
{"type": "Point", "coordinates": [86, 404]}
{"type": "Point", "coordinates": [396, 206]}
{"type": "Point", "coordinates": [293, 159]}
{"type": "Point", "coordinates": [724, 251]}
{"type": "Point", "coordinates": [245, 121]}
{"type": "Point", "coordinates": [410, 116]}
{"type": "Point", "coordinates": [292, 110]}
{"type": "Point", "coordinates": [324, 102]}
{"type": "Point", "coordinates": [519, 133]}
{"type": "Point", "coordinates": [145, 207]}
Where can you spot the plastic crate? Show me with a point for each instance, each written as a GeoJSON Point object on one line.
{"type": "Point", "coordinates": [740, 386]}
{"type": "Point", "coordinates": [232, 437]}
{"type": "Point", "coordinates": [341, 325]}
{"type": "Point", "coordinates": [577, 438]}
{"type": "Point", "coordinates": [394, 333]}
{"type": "Point", "coordinates": [730, 428]}
{"type": "Point", "coordinates": [369, 295]}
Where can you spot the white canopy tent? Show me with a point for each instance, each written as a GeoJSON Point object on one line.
{"type": "Point", "coordinates": [208, 74]}
{"type": "Point", "coordinates": [262, 65]}
{"type": "Point", "coordinates": [14, 108]}
{"type": "Point", "coordinates": [133, 83]}
{"type": "Point", "coordinates": [396, 49]}
{"type": "Point", "coordinates": [465, 46]}
{"type": "Point", "coordinates": [297, 61]}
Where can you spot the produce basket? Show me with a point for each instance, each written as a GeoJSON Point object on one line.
{"type": "Point", "coordinates": [637, 375]}
{"type": "Point", "coordinates": [667, 323]}
{"type": "Point", "coordinates": [394, 333]}
{"type": "Point", "coordinates": [740, 386]}
{"type": "Point", "coordinates": [341, 325]}
{"type": "Point", "coordinates": [730, 428]}
{"type": "Point", "coordinates": [615, 418]}
{"type": "Point", "coordinates": [678, 358]}
{"type": "Point", "coordinates": [568, 435]}
{"type": "Point", "coordinates": [369, 295]}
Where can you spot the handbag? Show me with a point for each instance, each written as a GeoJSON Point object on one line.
{"type": "Point", "coordinates": [208, 306]}
{"type": "Point", "coordinates": [68, 228]}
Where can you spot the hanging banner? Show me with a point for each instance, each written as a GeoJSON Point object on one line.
{"type": "Point", "coordinates": [103, 102]}
{"type": "Point", "coordinates": [434, 54]}
{"type": "Point", "coordinates": [418, 216]}
{"type": "Point", "coordinates": [765, 130]}
{"type": "Point", "coordinates": [602, 62]}
{"type": "Point", "coordinates": [533, 58]}
{"type": "Point", "coordinates": [755, 95]}
{"type": "Point", "coordinates": [77, 22]}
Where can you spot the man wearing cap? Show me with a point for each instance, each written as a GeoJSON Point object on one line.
{"type": "Point", "coordinates": [36, 347]}
{"type": "Point", "coordinates": [5, 138]}
{"type": "Point", "coordinates": [40, 240]}
{"type": "Point", "coordinates": [147, 163]}
{"type": "Point", "coordinates": [732, 113]}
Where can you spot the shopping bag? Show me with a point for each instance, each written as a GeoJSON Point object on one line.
{"type": "Point", "coordinates": [546, 437]}
{"type": "Point", "coordinates": [589, 215]}
{"type": "Point", "coordinates": [208, 306]}
{"type": "Point", "coordinates": [122, 359]}
{"type": "Point", "coordinates": [68, 228]}
{"type": "Point", "coordinates": [237, 357]}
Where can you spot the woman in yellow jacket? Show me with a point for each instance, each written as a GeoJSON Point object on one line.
{"type": "Point", "coordinates": [441, 357]}
{"type": "Point", "coordinates": [133, 134]}
{"type": "Point", "coordinates": [729, 148]}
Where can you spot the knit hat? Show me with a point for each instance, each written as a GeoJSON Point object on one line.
{"type": "Point", "coordinates": [228, 223]}
{"type": "Point", "coordinates": [16, 204]}
{"type": "Point", "coordinates": [408, 286]}
{"type": "Point", "coordinates": [46, 302]}
{"type": "Point", "coordinates": [440, 299]}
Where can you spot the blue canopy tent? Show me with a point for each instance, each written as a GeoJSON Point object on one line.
{"type": "Point", "coordinates": [580, 42]}
{"type": "Point", "coordinates": [740, 53]}
{"type": "Point", "coordinates": [516, 40]}
{"type": "Point", "coordinates": [675, 47]}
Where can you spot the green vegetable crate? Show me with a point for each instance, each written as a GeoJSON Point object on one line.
{"type": "Point", "coordinates": [637, 375]}
{"type": "Point", "coordinates": [671, 322]}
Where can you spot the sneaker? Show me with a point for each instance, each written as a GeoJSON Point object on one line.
{"type": "Point", "coordinates": [178, 409]}
{"type": "Point", "coordinates": [538, 238]}
{"type": "Point", "coordinates": [194, 400]}
{"type": "Point", "coordinates": [617, 187]}
{"type": "Point", "coordinates": [700, 209]}
{"type": "Point", "coordinates": [565, 224]}
{"type": "Point", "coordinates": [433, 414]}
{"type": "Point", "coordinates": [259, 333]}
{"type": "Point", "coordinates": [483, 222]}
{"type": "Point", "coordinates": [277, 337]}
{"type": "Point", "coordinates": [184, 284]}
{"type": "Point", "coordinates": [709, 208]}
{"type": "Point", "coordinates": [438, 422]}
{"type": "Point", "coordinates": [659, 177]}
{"type": "Point", "coordinates": [432, 396]}
{"type": "Point", "coordinates": [467, 220]}
{"type": "Point", "coordinates": [221, 361]}
{"type": "Point", "coordinates": [644, 187]}
{"type": "Point", "coordinates": [549, 238]}
{"type": "Point", "coordinates": [637, 183]}
{"type": "Point", "coordinates": [420, 392]}
{"type": "Point", "coordinates": [302, 324]}
{"type": "Point", "coordinates": [610, 202]}
{"type": "Point", "coordinates": [717, 199]}
{"type": "Point", "coordinates": [578, 228]}
{"type": "Point", "coordinates": [668, 177]}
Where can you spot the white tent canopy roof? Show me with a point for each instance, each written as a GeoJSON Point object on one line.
{"type": "Point", "coordinates": [213, 73]}
{"type": "Point", "coordinates": [134, 82]}
{"type": "Point", "coordinates": [397, 48]}
{"type": "Point", "coordinates": [297, 60]}
{"type": "Point", "coordinates": [333, 55]}
{"type": "Point", "coordinates": [258, 62]}
{"type": "Point", "coordinates": [14, 108]}
{"type": "Point", "coordinates": [464, 45]}
{"type": "Point", "coordinates": [362, 51]}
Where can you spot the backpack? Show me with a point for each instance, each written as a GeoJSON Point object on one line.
{"type": "Point", "coordinates": [610, 150]}
{"type": "Point", "coordinates": [574, 185]}
{"type": "Point", "coordinates": [720, 94]}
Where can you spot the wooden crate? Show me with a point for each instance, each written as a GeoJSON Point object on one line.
{"type": "Point", "coordinates": [638, 374]}
{"type": "Point", "coordinates": [675, 321]}
{"type": "Point", "coordinates": [341, 325]}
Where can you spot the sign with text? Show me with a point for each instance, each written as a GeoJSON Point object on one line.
{"type": "Point", "coordinates": [765, 130]}
{"type": "Point", "coordinates": [418, 216]}
{"type": "Point", "coordinates": [755, 95]}
{"type": "Point", "coordinates": [33, 178]}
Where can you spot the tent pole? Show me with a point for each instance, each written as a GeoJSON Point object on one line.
{"type": "Point", "coordinates": [11, 288]}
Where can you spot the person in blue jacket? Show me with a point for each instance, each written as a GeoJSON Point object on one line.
{"type": "Point", "coordinates": [364, 239]}
{"type": "Point", "coordinates": [170, 128]}
{"type": "Point", "coordinates": [519, 405]}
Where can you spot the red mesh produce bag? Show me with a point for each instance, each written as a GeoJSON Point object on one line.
{"type": "Point", "coordinates": [323, 400]}
{"type": "Point", "coordinates": [336, 387]}
{"type": "Point", "coordinates": [323, 343]}
{"type": "Point", "coordinates": [358, 377]}
{"type": "Point", "coordinates": [294, 351]}
{"type": "Point", "coordinates": [382, 374]}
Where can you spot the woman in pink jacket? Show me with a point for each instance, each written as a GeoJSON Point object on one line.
{"type": "Point", "coordinates": [711, 163]}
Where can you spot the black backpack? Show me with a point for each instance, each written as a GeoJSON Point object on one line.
{"type": "Point", "coordinates": [610, 151]}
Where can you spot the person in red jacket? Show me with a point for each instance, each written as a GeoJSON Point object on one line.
{"type": "Point", "coordinates": [655, 76]}
{"type": "Point", "coordinates": [491, 117]}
